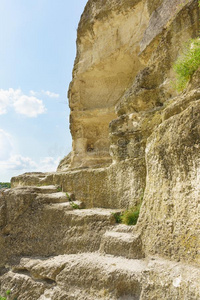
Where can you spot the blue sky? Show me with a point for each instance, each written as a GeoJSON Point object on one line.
{"type": "Point", "coordinates": [37, 51]}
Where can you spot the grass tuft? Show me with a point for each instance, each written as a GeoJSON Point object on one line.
{"type": "Point", "coordinates": [8, 292]}
{"type": "Point", "coordinates": [74, 205]}
{"type": "Point", "coordinates": [68, 197]}
{"type": "Point", "coordinates": [118, 217]}
{"type": "Point", "coordinates": [128, 217]}
{"type": "Point", "coordinates": [59, 189]}
{"type": "Point", "coordinates": [187, 64]}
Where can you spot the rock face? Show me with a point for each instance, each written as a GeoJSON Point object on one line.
{"type": "Point", "coordinates": [107, 62]}
{"type": "Point", "coordinates": [172, 191]}
{"type": "Point", "coordinates": [135, 140]}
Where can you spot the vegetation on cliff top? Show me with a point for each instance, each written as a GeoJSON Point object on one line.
{"type": "Point", "coordinates": [187, 63]}
{"type": "Point", "coordinates": [4, 185]}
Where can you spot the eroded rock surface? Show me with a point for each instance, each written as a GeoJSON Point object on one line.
{"type": "Point", "coordinates": [135, 139]}
{"type": "Point", "coordinates": [107, 62]}
{"type": "Point", "coordinates": [93, 276]}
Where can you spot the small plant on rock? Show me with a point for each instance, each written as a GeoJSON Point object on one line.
{"type": "Point", "coordinates": [187, 64]}
{"type": "Point", "coordinates": [7, 294]}
{"type": "Point", "coordinates": [68, 197]}
{"type": "Point", "coordinates": [130, 216]}
{"type": "Point", "coordinates": [74, 205]}
{"type": "Point", "coordinates": [118, 217]}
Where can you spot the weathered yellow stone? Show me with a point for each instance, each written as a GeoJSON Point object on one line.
{"type": "Point", "coordinates": [135, 139]}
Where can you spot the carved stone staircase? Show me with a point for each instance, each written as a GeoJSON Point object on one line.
{"type": "Point", "coordinates": [54, 251]}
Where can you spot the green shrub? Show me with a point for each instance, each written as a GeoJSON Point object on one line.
{"type": "Point", "coordinates": [118, 217]}
{"type": "Point", "coordinates": [7, 293]}
{"type": "Point", "coordinates": [130, 217]}
{"type": "Point", "coordinates": [6, 185]}
{"type": "Point", "coordinates": [187, 63]}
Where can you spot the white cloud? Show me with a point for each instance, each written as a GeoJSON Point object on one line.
{"type": "Point", "coordinates": [7, 97]}
{"type": "Point", "coordinates": [13, 163]}
{"type": "Point", "coordinates": [5, 145]}
{"type": "Point", "coordinates": [49, 164]}
{"type": "Point", "coordinates": [18, 162]}
{"type": "Point", "coordinates": [29, 106]}
{"type": "Point", "coordinates": [23, 104]}
{"type": "Point", "coordinates": [50, 94]}
{"type": "Point", "coordinates": [46, 93]}
{"type": "Point", "coordinates": [3, 106]}
{"type": "Point", "coordinates": [23, 164]}
{"type": "Point", "coordinates": [33, 93]}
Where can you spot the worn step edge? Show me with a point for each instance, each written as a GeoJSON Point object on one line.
{"type": "Point", "coordinates": [127, 245]}
{"type": "Point", "coordinates": [57, 197]}
{"type": "Point", "coordinates": [69, 205]}
{"type": "Point", "coordinates": [46, 189]}
{"type": "Point", "coordinates": [123, 228]}
{"type": "Point", "coordinates": [101, 272]}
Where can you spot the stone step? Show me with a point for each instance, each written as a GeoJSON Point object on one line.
{"type": "Point", "coordinates": [57, 197]}
{"type": "Point", "coordinates": [92, 276]}
{"type": "Point", "coordinates": [32, 179]}
{"type": "Point", "coordinates": [122, 228]}
{"type": "Point", "coordinates": [46, 189]}
{"type": "Point", "coordinates": [124, 244]}
{"type": "Point", "coordinates": [102, 213]}
{"type": "Point", "coordinates": [50, 228]}
{"type": "Point", "coordinates": [69, 205]}
{"type": "Point", "coordinates": [52, 191]}
{"type": "Point", "coordinates": [82, 276]}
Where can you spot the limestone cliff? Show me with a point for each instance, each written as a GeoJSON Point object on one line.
{"type": "Point", "coordinates": [135, 139]}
